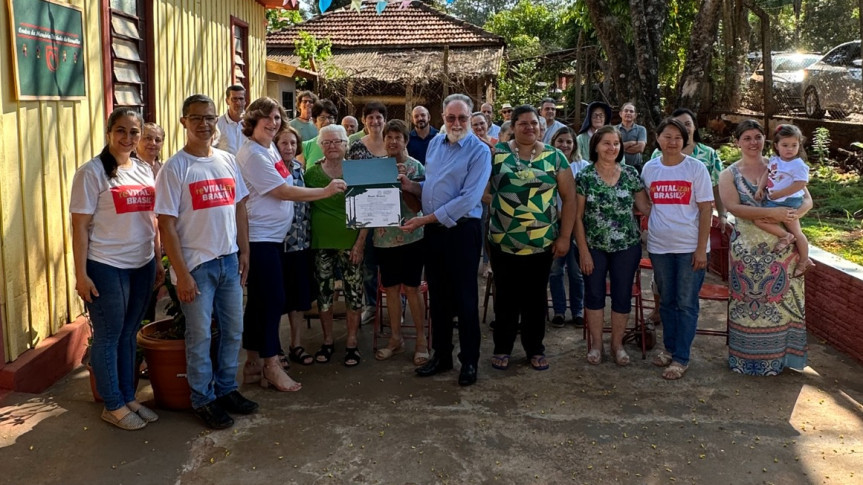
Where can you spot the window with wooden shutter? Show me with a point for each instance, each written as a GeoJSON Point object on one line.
{"type": "Point", "coordinates": [240, 52]}
{"type": "Point", "coordinates": [127, 82]}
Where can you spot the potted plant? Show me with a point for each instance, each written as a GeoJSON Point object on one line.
{"type": "Point", "coordinates": [164, 348]}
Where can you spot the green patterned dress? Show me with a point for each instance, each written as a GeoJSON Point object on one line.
{"type": "Point", "coordinates": [524, 215]}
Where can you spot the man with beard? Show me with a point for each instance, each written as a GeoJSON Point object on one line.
{"type": "Point", "coordinates": [421, 135]}
{"type": "Point", "coordinates": [457, 171]}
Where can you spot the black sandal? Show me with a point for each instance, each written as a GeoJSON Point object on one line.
{"type": "Point", "coordinates": [300, 356]}
{"type": "Point", "coordinates": [325, 354]}
{"type": "Point", "coordinates": [352, 355]}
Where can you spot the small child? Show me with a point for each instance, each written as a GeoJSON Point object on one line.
{"type": "Point", "coordinates": [784, 181]}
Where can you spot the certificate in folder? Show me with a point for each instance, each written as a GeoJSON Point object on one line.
{"type": "Point", "coordinates": [373, 197]}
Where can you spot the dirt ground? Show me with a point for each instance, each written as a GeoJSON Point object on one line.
{"type": "Point", "coordinates": [379, 424]}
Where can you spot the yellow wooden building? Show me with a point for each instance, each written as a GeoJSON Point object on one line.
{"type": "Point", "coordinates": [150, 54]}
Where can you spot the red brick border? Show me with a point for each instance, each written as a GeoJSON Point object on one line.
{"type": "Point", "coordinates": [834, 303]}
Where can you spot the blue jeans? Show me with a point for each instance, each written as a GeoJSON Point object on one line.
{"type": "Point", "coordinates": [678, 286]}
{"type": "Point", "coordinates": [116, 315]}
{"type": "Point", "coordinates": [576, 284]}
{"type": "Point", "coordinates": [218, 283]}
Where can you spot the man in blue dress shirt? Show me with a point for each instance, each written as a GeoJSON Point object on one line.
{"type": "Point", "coordinates": [458, 167]}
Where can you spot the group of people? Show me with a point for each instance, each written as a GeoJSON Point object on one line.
{"type": "Point", "coordinates": [255, 200]}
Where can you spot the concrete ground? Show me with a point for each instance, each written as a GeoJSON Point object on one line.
{"type": "Point", "coordinates": [378, 423]}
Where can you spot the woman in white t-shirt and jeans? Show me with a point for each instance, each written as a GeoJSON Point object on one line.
{"type": "Point", "coordinates": [114, 242]}
{"type": "Point", "coordinates": [677, 240]}
{"type": "Point", "coordinates": [271, 211]}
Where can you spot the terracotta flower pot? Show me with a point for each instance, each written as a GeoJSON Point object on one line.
{"type": "Point", "coordinates": [166, 361]}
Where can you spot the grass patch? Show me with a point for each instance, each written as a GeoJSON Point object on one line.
{"type": "Point", "coordinates": [835, 224]}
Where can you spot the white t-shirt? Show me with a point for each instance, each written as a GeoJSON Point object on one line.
{"type": "Point", "coordinates": [202, 192]}
{"type": "Point", "coordinates": [675, 192]}
{"type": "Point", "coordinates": [231, 136]}
{"type": "Point", "coordinates": [263, 170]}
{"type": "Point", "coordinates": [121, 231]}
{"type": "Point", "coordinates": [781, 174]}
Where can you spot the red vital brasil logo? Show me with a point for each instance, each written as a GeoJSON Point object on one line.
{"type": "Point", "coordinates": [212, 193]}
{"type": "Point", "coordinates": [133, 198]}
{"type": "Point", "coordinates": [671, 192]}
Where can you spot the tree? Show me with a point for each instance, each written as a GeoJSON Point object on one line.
{"type": "Point", "coordinates": [529, 29]}
{"type": "Point", "coordinates": [278, 19]}
{"type": "Point", "coordinates": [478, 12]}
{"type": "Point", "coordinates": [828, 23]}
{"type": "Point", "coordinates": [690, 89]}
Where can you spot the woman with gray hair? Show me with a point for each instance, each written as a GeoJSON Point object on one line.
{"type": "Point", "coordinates": [335, 246]}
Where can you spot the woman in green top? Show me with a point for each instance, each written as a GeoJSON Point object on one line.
{"type": "Point", "coordinates": [526, 231]}
{"type": "Point", "coordinates": [335, 246]}
{"type": "Point", "coordinates": [609, 242]}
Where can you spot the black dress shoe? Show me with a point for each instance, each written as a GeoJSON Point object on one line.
{"type": "Point", "coordinates": [214, 416]}
{"type": "Point", "coordinates": [467, 375]}
{"type": "Point", "coordinates": [434, 366]}
{"type": "Point", "coordinates": [234, 402]}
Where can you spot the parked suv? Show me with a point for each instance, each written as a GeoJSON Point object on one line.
{"type": "Point", "coordinates": [787, 80]}
{"type": "Point", "coordinates": [834, 83]}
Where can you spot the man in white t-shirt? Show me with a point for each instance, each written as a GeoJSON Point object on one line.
{"type": "Point", "coordinates": [230, 124]}
{"type": "Point", "coordinates": [201, 205]}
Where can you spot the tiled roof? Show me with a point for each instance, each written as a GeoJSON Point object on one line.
{"type": "Point", "coordinates": [415, 26]}
{"type": "Point", "coordinates": [408, 64]}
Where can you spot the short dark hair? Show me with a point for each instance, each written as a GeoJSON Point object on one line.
{"type": "Point", "coordinates": [234, 87]}
{"type": "Point", "coordinates": [686, 111]}
{"type": "Point", "coordinates": [373, 106]}
{"type": "Point", "coordinates": [522, 109]}
{"type": "Point", "coordinates": [747, 125]}
{"type": "Point", "coordinates": [260, 109]}
{"type": "Point", "coordinates": [547, 100]}
{"type": "Point", "coordinates": [195, 99]}
{"type": "Point", "coordinates": [676, 124]}
{"type": "Point", "coordinates": [398, 126]}
{"type": "Point", "coordinates": [597, 137]}
{"type": "Point", "coordinates": [290, 130]}
{"type": "Point", "coordinates": [324, 105]}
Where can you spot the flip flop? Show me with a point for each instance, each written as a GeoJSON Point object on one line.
{"type": "Point", "coordinates": [594, 357]}
{"type": "Point", "coordinates": [538, 362]}
{"type": "Point", "coordinates": [621, 358]}
{"type": "Point", "coordinates": [802, 268]}
{"type": "Point", "coordinates": [421, 358]}
{"type": "Point", "coordinates": [662, 359]}
{"type": "Point", "coordinates": [502, 361]}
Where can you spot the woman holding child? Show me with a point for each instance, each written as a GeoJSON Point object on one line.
{"type": "Point", "coordinates": [766, 319]}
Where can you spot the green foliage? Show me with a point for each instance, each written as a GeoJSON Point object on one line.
{"type": "Point", "coordinates": [828, 23]}
{"type": "Point", "coordinates": [821, 144]}
{"type": "Point", "coordinates": [834, 224]}
{"type": "Point", "coordinates": [520, 85]}
{"type": "Point", "coordinates": [728, 153]}
{"type": "Point", "coordinates": [315, 55]}
{"type": "Point", "coordinates": [478, 12]}
{"type": "Point", "coordinates": [529, 28]}
{"type": "Point", "coordinates": [278, 19]}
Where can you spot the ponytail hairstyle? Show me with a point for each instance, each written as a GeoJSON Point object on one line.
{"type": "Point", "coordinates": [109, 163]}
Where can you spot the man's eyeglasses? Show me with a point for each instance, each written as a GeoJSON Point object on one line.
{"type": "Point", "coordinates": [198, 119]}
{"type": "Point", "coordinates": [331, 119]}
{"type": "Point", "coordinates": [453, 118]}
{"type": "Point", "coordinates": [332, 143]}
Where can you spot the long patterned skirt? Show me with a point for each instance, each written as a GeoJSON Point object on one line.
{"type": "Point", "coordinates": [767, 321]}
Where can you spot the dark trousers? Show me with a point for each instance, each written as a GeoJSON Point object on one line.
{"type": "Point", "coordinates": [452, 259]}
{"type": "Point", "coordinates": [265, 300]}
{"type": "Point", "coordinates": [520, 294]}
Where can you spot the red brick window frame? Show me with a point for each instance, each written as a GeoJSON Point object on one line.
{"type": "Point", "coordinates": [127, 47]}
{"type": "Point", "coordinates": [240, 52]}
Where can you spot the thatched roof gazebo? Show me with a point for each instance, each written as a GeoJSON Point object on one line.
{"type": "Point", "coordinates": [402, 57]}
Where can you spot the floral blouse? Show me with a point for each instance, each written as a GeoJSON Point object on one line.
{"type": "Point", "coordinates": [609, 220]}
